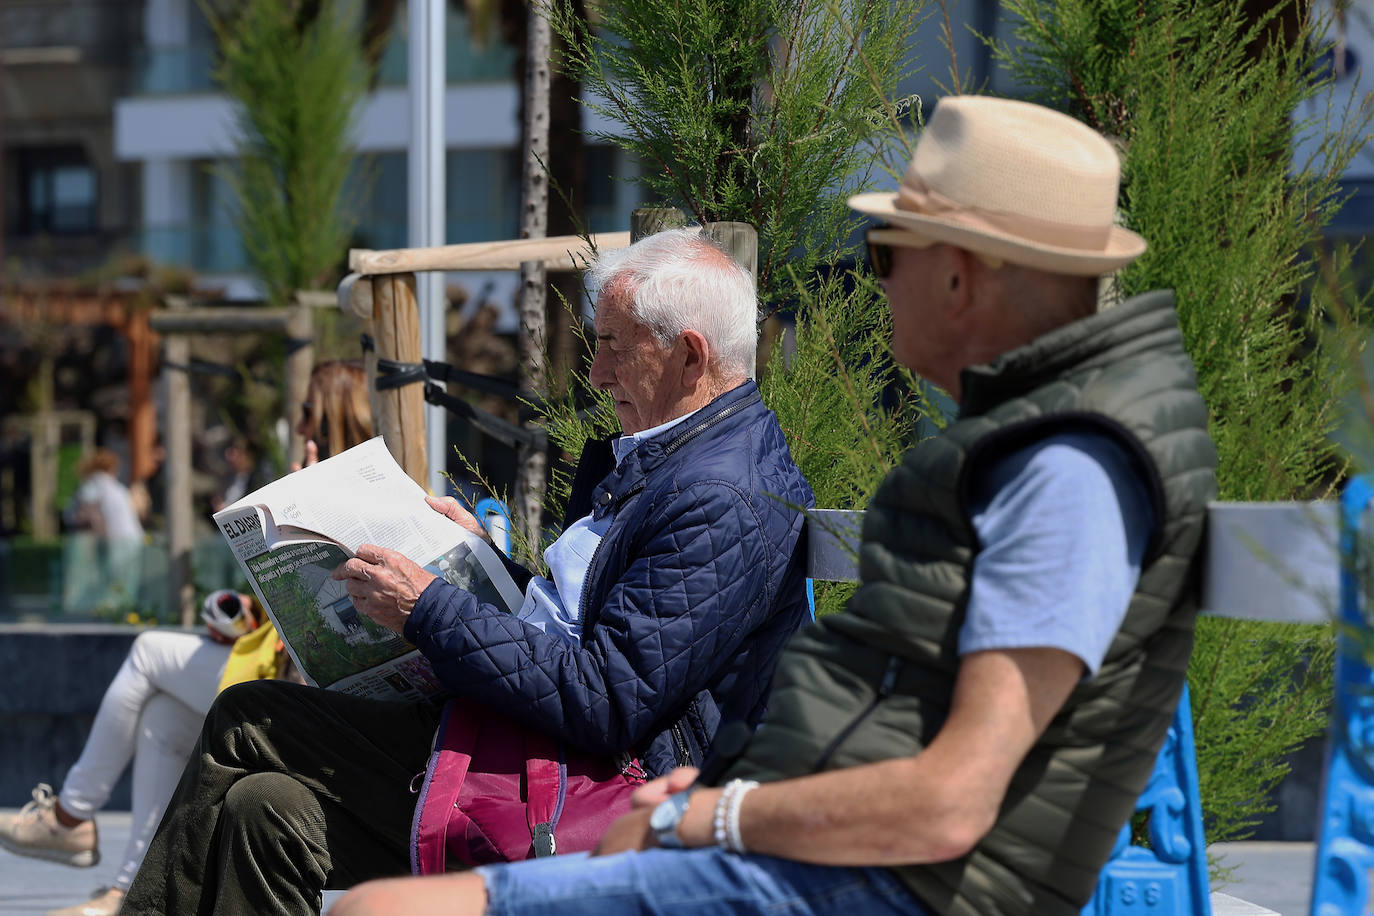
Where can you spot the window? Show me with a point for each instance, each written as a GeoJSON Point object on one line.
{"type": "Point", "coordinates": [58, 192]}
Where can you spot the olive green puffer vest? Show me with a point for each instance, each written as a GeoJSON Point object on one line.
{"type": "Point", "coordinates": [875, 681]}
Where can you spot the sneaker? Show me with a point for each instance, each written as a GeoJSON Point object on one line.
{"type": "Point", "coordinates": [36, 832]}
{"type": "Point", "coordinates": [106, 902]}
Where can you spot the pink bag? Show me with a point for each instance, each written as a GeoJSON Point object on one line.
{"type": "Point", "coordinates": [497, 791]}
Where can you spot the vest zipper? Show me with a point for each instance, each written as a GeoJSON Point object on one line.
{"type": "Point", "coordinates": [885, 687]}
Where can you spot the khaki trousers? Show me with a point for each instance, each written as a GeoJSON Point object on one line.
{"type": "Point", "coordinates": [290, 791]}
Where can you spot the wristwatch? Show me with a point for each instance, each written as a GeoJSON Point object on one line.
{"type": "Point", "coordinates": [663, 822]}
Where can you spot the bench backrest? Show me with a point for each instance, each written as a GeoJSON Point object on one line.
{"type": "Point", "coordinates": [1263, 561]}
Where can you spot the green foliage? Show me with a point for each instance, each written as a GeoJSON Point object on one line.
{"type": "Point", "coordinates": [829, 398]}
{"type": "Point", "coordinates": [1261, 690]}
{"type": "Point", "coordinates": [764, 111]}
{"type": "Point", "coordinates": [296, 82]}
{"type": "Point", "coordinates": [1201, 103]}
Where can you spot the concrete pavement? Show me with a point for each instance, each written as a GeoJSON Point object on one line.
{"type": "Point", "coordinates": [1275, 877]}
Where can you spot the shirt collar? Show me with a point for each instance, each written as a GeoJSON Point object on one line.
{"type": "Point", "coordinates": [622, 446]}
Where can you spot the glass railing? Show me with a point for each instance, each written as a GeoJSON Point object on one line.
{"type": "Point", "coordinates": [188, 69]}
{"type": "Point", "coordinates": [215, 248]}
{"type": "Point", "coordinates": [464, 62]}
{"type": "Point", "coordinates": [175, 70]}
{"type": "Point", "coordinates": [77, 578]}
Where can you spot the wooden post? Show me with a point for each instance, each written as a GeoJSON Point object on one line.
{"type": "Point", "coordinates": [43, 453]}
{"type": "Point", "coordinates": [400, 412]}
{"type": "Point", "coordinates": [142, 410]}
{"type": "Point", "coordinates": [742, 241]}
{"type": "Point", "coordinates": [300, 358]}
{"type": "Point", "coordinates": [650, 220]}
{"type": "Point", "coordinates": [180, 534]}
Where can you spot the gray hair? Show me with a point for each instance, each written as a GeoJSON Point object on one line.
{"type": "Point", "coordinates": [678, 280]}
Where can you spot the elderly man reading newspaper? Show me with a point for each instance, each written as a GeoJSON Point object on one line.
{"type": "Point", "coordinates": [673, 589]}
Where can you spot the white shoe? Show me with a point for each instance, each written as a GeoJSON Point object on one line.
{"type": "Point", "coordinates": [106, 902]}
{"type": "Point", "coordinates": [36, 832]}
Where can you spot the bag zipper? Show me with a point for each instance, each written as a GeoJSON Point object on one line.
{"type": "Point", "coordinates": [889, 681]}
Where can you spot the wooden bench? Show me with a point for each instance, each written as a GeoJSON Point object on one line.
{"type": "Point", "coordinates": [1264, 561]}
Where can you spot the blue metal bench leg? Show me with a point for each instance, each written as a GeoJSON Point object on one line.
{"type": "Point", "coordinates": [1345, 847]}
{"type": "Point", "coordinates": [1170, 877]}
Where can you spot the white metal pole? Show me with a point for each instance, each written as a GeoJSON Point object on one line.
{"type": "Point", "coordinates": [425, 170]}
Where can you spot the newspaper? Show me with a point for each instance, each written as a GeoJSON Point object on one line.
{"type": "Point", "coordinates": [291, 534]}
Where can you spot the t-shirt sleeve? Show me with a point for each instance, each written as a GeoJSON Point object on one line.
{"type": "Point", "coordinates": [1063, 526]}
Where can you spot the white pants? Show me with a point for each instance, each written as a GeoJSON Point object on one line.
{"type": "Point", "coordinates": [151, 712]}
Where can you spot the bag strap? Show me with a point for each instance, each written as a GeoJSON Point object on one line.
{"type": "Point", "coordinates": [546, 782]}
{"type": "Point", "coordinates": [448, 769]}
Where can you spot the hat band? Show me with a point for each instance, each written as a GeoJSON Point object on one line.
{"type": "Point", "coordinates": [919, 198]}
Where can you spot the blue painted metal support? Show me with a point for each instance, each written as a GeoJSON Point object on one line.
{"type": "Point", "coordinates": [495, 517]}
{"type": "Point", "coordinates": [1345, 847]}
{"type": "Point", "coordinates": [1170, 876]}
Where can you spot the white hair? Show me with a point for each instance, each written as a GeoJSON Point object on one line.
{"type": "Point", "coordinates": [679, 280]}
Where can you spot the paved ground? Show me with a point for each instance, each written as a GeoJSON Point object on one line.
{"type": "Point", "coordinates": [1276, 876]}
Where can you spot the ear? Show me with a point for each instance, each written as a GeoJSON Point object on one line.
{"type": "Point", "coordinates": [960, 270]}
{"type": "Point", "coordinates": [698, 356]}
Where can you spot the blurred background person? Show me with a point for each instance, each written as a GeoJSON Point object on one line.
{"type": "Point", "coordinates": [106, 537]}
{"type": "Point", "coordinates": [336, 413]}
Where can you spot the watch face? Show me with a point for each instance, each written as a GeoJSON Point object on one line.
{"type": "Point", "coordinates": [663, 822]}
{"type": "Point", "coordinates": [667, 814]}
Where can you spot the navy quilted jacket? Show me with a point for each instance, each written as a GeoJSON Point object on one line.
{"type": "Point", "coordinates": [691, 594]}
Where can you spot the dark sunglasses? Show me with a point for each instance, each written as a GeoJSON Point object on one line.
{"type": "Point", "coordinates": [881, 239]}
{"type": "Point", "coordinates": [879, 254]}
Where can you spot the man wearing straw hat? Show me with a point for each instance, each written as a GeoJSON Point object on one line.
{"type": "Point", "coordinates": [971, 733]}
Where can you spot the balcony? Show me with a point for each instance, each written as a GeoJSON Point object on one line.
{"type": "Point", "coordinates": [208, 249]}
{"type": "Point", "coordinates": [188, 69]}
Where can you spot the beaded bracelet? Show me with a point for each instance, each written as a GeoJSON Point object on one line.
{"type": "Point", "coordinates": [725, 819]}
{"type": "Point", "coordinates": [743, 788]}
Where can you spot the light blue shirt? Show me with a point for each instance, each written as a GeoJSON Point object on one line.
{"type": "Point", "coordinates": [554, 605]}
{"type": "Point", "coordinates": [1063, 526]}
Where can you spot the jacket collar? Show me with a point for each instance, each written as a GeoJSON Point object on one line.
{"type": "Point", "coordinates": [1142, 322]}
{"type": "Point", "coordinates": [651, 453]}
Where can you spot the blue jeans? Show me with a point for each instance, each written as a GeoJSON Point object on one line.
{"type": "Point", "coordinates": [695, 881]}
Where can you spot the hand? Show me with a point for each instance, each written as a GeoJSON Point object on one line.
{"type": "Point", "coordinates": [628, 833]}
{"type": "Point", "coordinates": [383, 584]}
{"type": "Point", "coordinates": [312, 455]}
{"type": "Point", "coordinates": [657, 790]}
{"type": "Point", "coordinates": [451, 509]}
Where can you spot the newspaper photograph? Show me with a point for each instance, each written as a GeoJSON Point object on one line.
{"type": "Point", "coordinates": [291, 534]}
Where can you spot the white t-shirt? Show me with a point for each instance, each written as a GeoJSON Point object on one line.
{"type": "Point", "coordinates": [116, 507]}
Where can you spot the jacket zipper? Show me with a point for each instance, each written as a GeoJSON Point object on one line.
{"type": "Point", "coordinates": [684, 756]}
{"type": "Point", "coordinates": [706, 424]}
{"type": "Point", "coordinates": [889, 681]}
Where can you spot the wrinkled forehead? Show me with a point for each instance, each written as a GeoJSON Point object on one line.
{"type": "Point", "coordinates": [613, 312]}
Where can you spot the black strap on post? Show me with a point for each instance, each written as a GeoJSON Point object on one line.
{"type": "Point", "coordinates": [393, 373]}
{"type": "Point", "coordinates": [499, 429]}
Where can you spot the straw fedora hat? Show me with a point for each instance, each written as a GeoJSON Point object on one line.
{"type": "Point", "coordinates": [1015, 181]}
